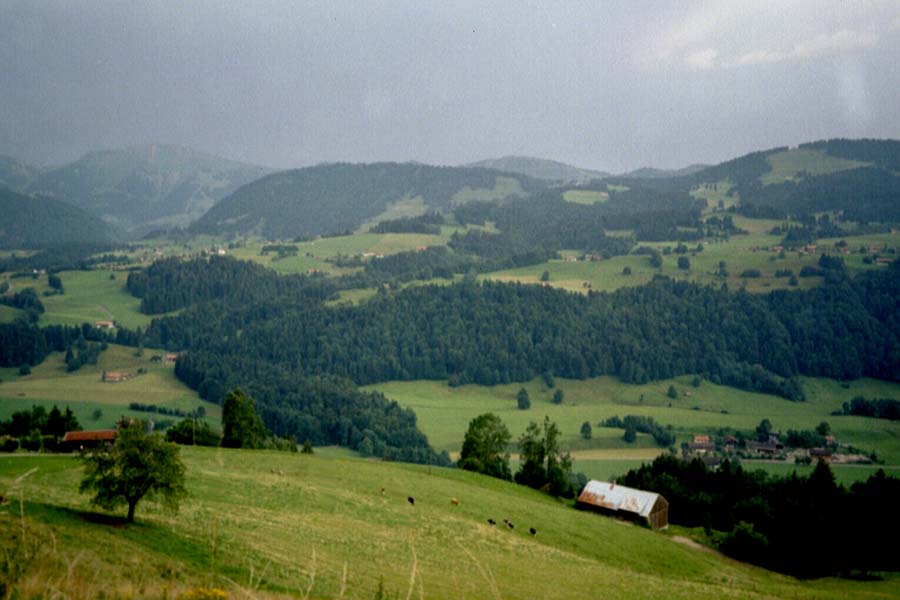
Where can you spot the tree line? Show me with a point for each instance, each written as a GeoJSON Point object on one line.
{"type": "Point", "coordinates": [804, 526]}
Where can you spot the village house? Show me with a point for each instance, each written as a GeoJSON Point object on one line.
{"type": "Point", "coordinates": [105, 324]}
{"type": "Point", "coordinates": [609, 498]}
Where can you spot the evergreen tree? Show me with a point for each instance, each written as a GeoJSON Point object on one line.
{"type": "Point", "coordinates": [522, 399]}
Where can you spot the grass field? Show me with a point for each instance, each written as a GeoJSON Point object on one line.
{"type": "Point", "coordinates": [92, 296]}
{"type": "Point", "coordinates": [788, 165]}
{"type": "Point", "coordinates": [405, 207]}
{"type": "Point", "coordinates": [739, 253]}
{"type": "Point", "coordinates": [264, 525]}
{"type": "Point", "coordinates": [444, 414]}
{"type": "Point", "coordinates": [316, 254]}
{"type": "Point", "coordinates": [585, 196]}
{"type": "Point", "coordinates": [8, 313]}
{"type": "Point", "coordinates": [49, 384]}
{"type": "Point", "coordinates": [503, 188]}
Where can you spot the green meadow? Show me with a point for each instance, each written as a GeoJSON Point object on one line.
{"type": "Point", "coordinates": [444, 414]}
{"type": "Point", "coordinates": [84, 391]}
{"type": "Point", "coordinates": [740, 253]}
{"type": "Point", "coordinates": [261, 524]}
{"type": "Point", "coordinates": [793, 164]}
{"type": "Point", "coordinates": [585, 196]}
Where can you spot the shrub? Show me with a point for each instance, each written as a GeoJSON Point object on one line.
{"type": "Point", "coordinates": [9, 444]}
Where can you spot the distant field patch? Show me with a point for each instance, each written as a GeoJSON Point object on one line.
{"type": "Point", "coordinates": [405, 207]}
{"type": "Point", "coordinates": [585, 197]}
{"type": "Point", "coordinates": [790, 165]}
{"type": "Point", "coordinates": [85, 392]}
{"type": "Point", "coordinates": [444, 412]}
{"type": "Point", "coordinates": [503, 188]}
{"type": "Point", "coordinates": [93, 296]}
{"type": "Point", "coordinates": [8, 313]}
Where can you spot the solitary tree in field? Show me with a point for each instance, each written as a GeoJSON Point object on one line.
{"type": "Point", "coordinates": [684, 263]}
{"type": "Point", "coordinates": [241, 426]}
{"type": "Point", "coordinates": [139, 465]}
{"type": "Point", "coordinates": [558, 396]}
{"type": "Point", "coordinates": [484, 447]}
{"type": "Point", "coordinates": [672, 392]}
{"type": "Point", "coordinates": [523, 400]}
{"type": "Point", "coordinates": [586, 430]}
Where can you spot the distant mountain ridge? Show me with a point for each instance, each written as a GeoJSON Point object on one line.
{"type": "Point", "coordinates": [540, 168]}
{"type": "Point", "coordinates": [39, 222]}
{"type": "Point", "coordinates": [142, 188]}
{"type": "Point", "coordinates": [339, 197]}
{"type": "Point", "coordinates": [14, 174]}
{"type": "Point", "coordinates": [654, 173]}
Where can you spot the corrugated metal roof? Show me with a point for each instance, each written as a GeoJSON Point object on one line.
{"type": "Point", "coordinates": [618, 497]}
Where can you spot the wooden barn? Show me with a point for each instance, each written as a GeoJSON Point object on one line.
{"type": "Point", "coordinates": [75, 441]}
{"type": "Point", "coordinates": [625, 502]}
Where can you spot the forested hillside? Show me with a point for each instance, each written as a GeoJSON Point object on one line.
{"type": "Point", "coordinates": [36, 222]}
{"type": "Point", "coordinates": [245, 327]}
{"type": "Point", "coordinates": [336, 198]}
{"type": "Point", "coordinates": [143, 188]}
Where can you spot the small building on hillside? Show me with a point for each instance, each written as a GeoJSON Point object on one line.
{"type": "Point", "coordinates": [105, 325]}
{"type": "Point", "coordinates": [75, 441]}
{"type": "Point", "coordinates": [116, 376]}
{"type": "Point", "coordinates": [610, 498]}
{"type": "Point", "coordinates": [823, 454]}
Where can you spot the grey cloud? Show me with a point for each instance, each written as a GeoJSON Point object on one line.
{"type": "Point", "coordinates": [612, 85]}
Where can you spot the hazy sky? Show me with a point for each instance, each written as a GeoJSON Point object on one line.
{"type": "Point", "coordinates": [608, 85]}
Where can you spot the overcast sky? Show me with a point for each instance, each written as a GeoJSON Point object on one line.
{"type": "Point", "coordinates": [607, 85]}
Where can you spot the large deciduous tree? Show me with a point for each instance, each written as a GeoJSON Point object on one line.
{"type": "Point", "coordinates": [139, 465]}
{"type": "Point", "coordinates": [542, 466]}
{"type": "Point", "coordinates": [241, 426]}
{"type": "Point", "coordinates": [484, 447]}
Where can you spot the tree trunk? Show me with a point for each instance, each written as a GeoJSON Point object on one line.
{"type": "Point", "coordinates": [131, 505]}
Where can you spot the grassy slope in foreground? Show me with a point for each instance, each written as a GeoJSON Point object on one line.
{"type": "Point", "coordinates": [294, 523]}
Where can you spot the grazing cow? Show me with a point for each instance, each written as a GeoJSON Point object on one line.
{"type": "Point", "coordinates": [506, 522]}
{"type": "Point", "coordinates": [411, 500]}
{"type": "Point", "coordinates": [382, 490]}
{"type": "Point", "coordinates": [510, 525]}
{"type": "Point", "coordinates": [454, 501]}
{"type": "Point", "coordinates": [492, 522]}
{"type": "Point", "coordinates": [532, 531]}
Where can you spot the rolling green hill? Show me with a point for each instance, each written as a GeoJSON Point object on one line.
{"type": "Point", "coordinates": [540, 168]}
{"type": "Point", "coordinates": [31, 222]}
{"type": "Point", "coordinates": [148, 187]}
{"type": "Point", "coordinates": [261, 524]}
{"type": "Point", "coordinates": [335, 198]}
